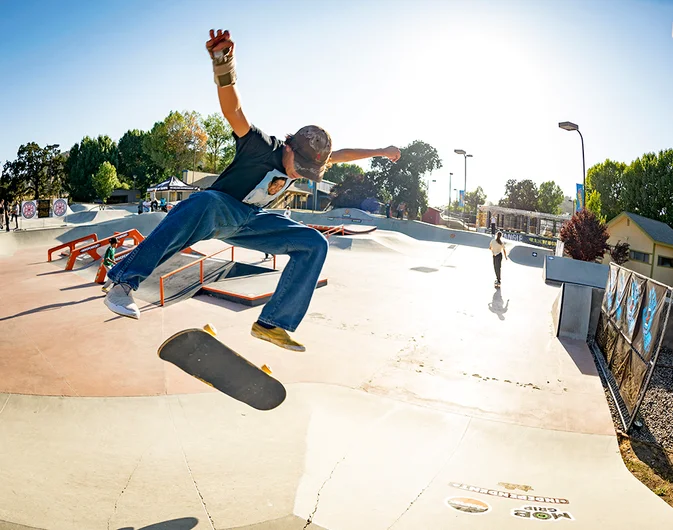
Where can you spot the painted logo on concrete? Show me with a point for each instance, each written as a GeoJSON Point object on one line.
{"type": "Point", "coordinates": [468, 505]}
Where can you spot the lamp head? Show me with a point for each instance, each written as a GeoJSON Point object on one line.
{"type": "Point", "coordinates": [568, 126]}
{"type": "Point", "coordinates": [459, 151]}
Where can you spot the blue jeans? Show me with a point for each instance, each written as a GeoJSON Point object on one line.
{"type": "Point", "coordinates": [212, 214]}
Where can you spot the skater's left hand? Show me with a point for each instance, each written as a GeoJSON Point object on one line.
{"type": "Point", "coordinates": [392, 152]}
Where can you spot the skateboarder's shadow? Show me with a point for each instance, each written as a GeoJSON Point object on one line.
{"type": "Point", "coordinates": [185, 523]}
{"type": "Point", "coordinates": [496, 306]}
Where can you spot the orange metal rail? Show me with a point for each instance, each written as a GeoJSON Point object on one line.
{"type": "Point", "coordinates": [199, 261]}
{"type": "Point", "coordinates": [92, 249]}
{"type": "Point", "coordinates": [100, 275]}
{"type": "Point", "coordinates": [71, 244]}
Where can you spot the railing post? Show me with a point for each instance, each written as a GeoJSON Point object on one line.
{"type": "Point", "coordinates": [232, 252]}
{"type": "Point", "coordinates": [161, 290]}
{"type": "Point", "coordinates": [274, 262]}
{"type": "Point", "coordinates": [201, 267]}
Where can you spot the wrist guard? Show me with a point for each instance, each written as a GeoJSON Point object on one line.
{"type": "Point", "coordinates": [224, 68]}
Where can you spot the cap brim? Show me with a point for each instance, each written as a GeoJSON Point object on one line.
{"type": "Point", "coordinates": [308, 169]}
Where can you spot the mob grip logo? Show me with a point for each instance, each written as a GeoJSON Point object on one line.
{"type": "Point", "coordinates": [542, 513]}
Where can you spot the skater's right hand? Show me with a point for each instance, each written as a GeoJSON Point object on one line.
{"type": "Point", "coordinates": [220, 41]}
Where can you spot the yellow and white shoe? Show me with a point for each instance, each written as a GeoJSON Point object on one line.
{"type": "Point", "coordinates": [277, 336]}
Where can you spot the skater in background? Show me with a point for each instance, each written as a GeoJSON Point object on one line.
{"type": "Point", "coordinates": [109, 261]}
{"type": "Point", "coordinates": [497, 247]}
{"type": "Point", "coordinates": [494, 221]}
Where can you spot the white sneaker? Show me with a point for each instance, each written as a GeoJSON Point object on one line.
{"type": "Point", "coordinates": [120, 300]}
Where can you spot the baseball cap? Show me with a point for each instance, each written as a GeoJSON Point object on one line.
{"type": "Point", "coordinates": [312, 146]}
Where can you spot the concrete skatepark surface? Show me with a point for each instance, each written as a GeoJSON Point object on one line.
{"type": "Point", "coordinates": [426, 399]}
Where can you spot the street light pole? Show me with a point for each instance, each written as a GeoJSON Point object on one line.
{"type": "Point", "coordinates": [570, 126]}
{"type": "Point", "coordinates": [450, 175]}
{"type": "Point", "coordinates": [465, 156]}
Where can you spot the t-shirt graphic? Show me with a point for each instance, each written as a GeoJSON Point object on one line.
{"type": "Point", "coordinates": [271, 186]}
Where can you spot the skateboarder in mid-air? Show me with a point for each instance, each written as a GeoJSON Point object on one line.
{"type": "Point", "coordinates": [232, 210]}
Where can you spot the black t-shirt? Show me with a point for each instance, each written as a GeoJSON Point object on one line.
{"type": "Point", "coordinates": [256, 175]}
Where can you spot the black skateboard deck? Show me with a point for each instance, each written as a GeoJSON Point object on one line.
{"type": "Point", "coordinates": [201, 355]}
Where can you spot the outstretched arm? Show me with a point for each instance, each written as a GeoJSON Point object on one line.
{"type": "Point", "coordinates": [349, 155]}
{"type": "Point", "coordinates": [221, 50]}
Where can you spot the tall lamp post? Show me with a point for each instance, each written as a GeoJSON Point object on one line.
{"type": "Point", "coordinates": [465, 156]}
{"type": "Point", "coordinates": [450, 175]}
{"type": "Point", "coordinates": [570, 126]}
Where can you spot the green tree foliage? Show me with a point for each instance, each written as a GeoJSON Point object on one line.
{"type": "Point", "coordinates": [10, 185]}
{"type": "Point", "coordinates": [105, 181]}
{"type": "Point", "coordinates": [648, 186]}
{"type": "Point", "coordinates": [594, 204]}
{"type": "Point", "coordinates": [550, 198]}
{"type": "Point", "coordinates": [83, 162]}
{"type": "Point", "coordinates": [355, 188]}
{"type": "Point", "coordinates": [584, 237]}
{"type": "Point", "coordinates": [607, 179]}
{"type": "Point", "coordinates": [402, 181]}
{"type": "Point", "coordinates": [339, 172]}
{"type": "Point", "coordinates": [521, 195]}
{"type": "Point", "coordinates": [474, 199]}
{"type": "Point", "coordinates": [135, 165]}
{"type": "Point", "coordinates": [36, 172]}
{"type": "Point", "coordinates": [176, 143]}
{"type": "Point", "coordinates": [220, 145]}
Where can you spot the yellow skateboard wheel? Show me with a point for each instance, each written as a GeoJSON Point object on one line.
{"type": "Point", "coordinates": [209, 328]}
{"type": "Point", "coordinates": [266, 369]}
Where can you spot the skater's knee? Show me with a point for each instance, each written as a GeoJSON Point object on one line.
{"type": "Point", "coordinates": [318, 245]}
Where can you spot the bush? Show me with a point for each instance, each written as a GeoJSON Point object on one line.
{"type": "Point", "coordinates": [585, 237]}
{"type": "Point", "coordinates": [620, 253]}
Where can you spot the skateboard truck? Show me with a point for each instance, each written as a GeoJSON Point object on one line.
{"type": "Point", "coordinates": [209, 328]}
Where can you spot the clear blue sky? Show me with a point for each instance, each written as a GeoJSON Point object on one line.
{"type": "Point", "coordinates": [491, 77]}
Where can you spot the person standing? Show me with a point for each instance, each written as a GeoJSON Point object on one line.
{"type": "Point", "coordinates": [494, 221]}
{"type": "Point", "coordinates": [497, 247]}
{"type": "Point", "coordinates": [15, 216]}
{"type": "Point", "coordinates": [2, 215]}
{"type": "Point", "coordinates": [287, 213]}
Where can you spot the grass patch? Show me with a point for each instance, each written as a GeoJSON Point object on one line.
{"type": "Point", "coordinates": [650, 464]}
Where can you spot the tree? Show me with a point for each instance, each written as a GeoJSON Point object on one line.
{"type": "Point", "coordinates": [135, 165]}
{"type": "Point", "coordinates": [607, 179]}
{"type": "Point", "coordinates": [620, 253]}
{"type": "Point", "coordinates": [353, 191]}
{"type": "Point", "coordinates": [594, 204]}
{"type": "Point", "coordinates": [585, 238]}
{"type": "Point", "coordinates": [521, 195]}
{"type": "Point", "coordinates": [474, 199]}
{"type": "Point", "coordinates": [37, 172]}
{"type": "Point", "coordinates": [105, 181]}
{"type": "Point", "coordinates": [176, 143]}
{"type": "Point", "coordinates": [338, 172]}
{"type": "Point", "coordinates": [402, 181]}
{"type": "Point", "coordinates": [550, 198]}
{"type": "Point", "coordinates": [10, 185]}
{"type": "Point", "coordinates": [648, 186]}
{"type": "Point", "coordinates": [220, 145]}
{"type": "Point", "coordinates": [83, 162]}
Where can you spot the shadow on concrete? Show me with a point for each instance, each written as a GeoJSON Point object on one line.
{"type": "Point", "coordinates": [496, 305]}
{"type": "Point", "coordinates": [50, 307]}
{"type": "Point", "coordinates": [578, 350]}
{"type": "Point", "coordinates": [184, 523]}
{"type": "Point", "coordinates": [424, 269]}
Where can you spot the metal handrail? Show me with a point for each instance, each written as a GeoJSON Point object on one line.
{"type": "Point", "coordinates": [199, 261]}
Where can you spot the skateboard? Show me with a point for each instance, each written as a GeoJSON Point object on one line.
{"type": "Point", "coordinates": [201, 355]}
